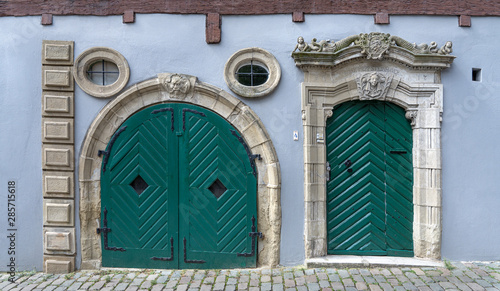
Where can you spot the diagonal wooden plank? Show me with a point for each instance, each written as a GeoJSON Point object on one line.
{"type": "Point", "coordinates": [364, 132]}
{"type": "Point", "coordinates": [121, 170]}
{"type": "Point", "coordinates": [368, 131]}
{"type": "Point", "coordinates": [199, 142]}
{"type": "Point", "coordinates": [235, 237]}
{"type": "Point", "coordinates": [237, 246]}
{"type": "Point", "coordinates": [363, 212]}
{"type": "Point", "coordinates": [367, 238]}
{"type": "Point", "coordinates": [234, 209]}
{"type": "Point", "coordinates": [354, 232]}
{"type": "Point", "coordinates": [121, 148]}
{"type": "Point", "coordinates": [340, 204]}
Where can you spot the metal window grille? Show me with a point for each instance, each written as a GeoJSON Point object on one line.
{"type": "Point", "coordinates": [252, 74]}
{"type": "Point", "coordinates": [106, 74]}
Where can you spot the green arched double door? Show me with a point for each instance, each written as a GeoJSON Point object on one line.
{"type": "Point", "coordinates": [369, 193]}
{"type": "Point", "coordinates": [177, 191]}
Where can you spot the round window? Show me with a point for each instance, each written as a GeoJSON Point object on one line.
{"type": "Point", "coordinates": [252, 72]}
{"type": "Point", "coordinates": [101, 72]}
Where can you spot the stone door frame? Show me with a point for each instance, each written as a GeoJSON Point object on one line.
{"type": "Point", "coordinates": [318, 101]}
{"type": "Point", "coordinates": [167, 88]}
{"type": "Point", "coordinates": [407, 75]}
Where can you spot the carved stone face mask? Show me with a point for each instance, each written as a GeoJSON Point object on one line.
{"type": "Point", "coordinates": [374, 80]}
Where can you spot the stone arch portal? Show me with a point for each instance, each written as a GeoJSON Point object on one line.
{"type": "Point", "coordinates": [167, 88]}
{"type": "Point", "coordinates": [374, 66]}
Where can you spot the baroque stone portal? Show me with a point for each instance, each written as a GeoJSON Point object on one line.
{"type": "Point", "coordinates": [386, 68]}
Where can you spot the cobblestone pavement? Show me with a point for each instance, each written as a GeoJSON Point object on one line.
{"type": "Point", "coordinates": [456, 276]}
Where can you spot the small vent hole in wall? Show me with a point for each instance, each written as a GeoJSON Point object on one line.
{"type": "Point", "coordinates": [476, 75]}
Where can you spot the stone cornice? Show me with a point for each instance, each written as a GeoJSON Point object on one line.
{"type": "Point", "coordinates": [376, 46]}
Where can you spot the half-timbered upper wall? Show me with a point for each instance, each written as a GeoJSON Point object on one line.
{"type": "Point", "coordinates": [251, 7]}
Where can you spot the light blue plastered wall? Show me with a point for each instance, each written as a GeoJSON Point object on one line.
{"type": "Point", "coordinates": [176, 43]}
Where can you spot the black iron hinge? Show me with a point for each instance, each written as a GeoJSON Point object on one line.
{"type": "Point", "coordinates": [251, 156]}
{"type": "Point", "coordinates": [171, 258]}
{"type": "Point", "coordinates": [253, 235]}
{"type": "Point", "coordinates": [184, 110]}
{"type": "Point", "coordinates": [171, 117]}
{"type": "Point", "coordinates": [190, 261]}
{"type": "Point", "coordinates": [108, 150]}
{"type": "Point", "coordinates": [105, 231]}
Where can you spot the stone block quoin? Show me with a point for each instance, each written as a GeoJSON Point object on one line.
{"type": "Point", "coordinates": [58, 148]}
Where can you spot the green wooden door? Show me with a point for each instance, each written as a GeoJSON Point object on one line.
{"type": "Point", "coordinates": [178, 191]}
{"type": "Point", "coordinates": [369, 193]}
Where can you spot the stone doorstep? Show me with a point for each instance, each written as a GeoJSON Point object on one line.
{"type": "Point", "coordinates": [128, 270]}
{"type": "Point", "coordinates": [142, 270]}
{"type": "Point", "coordinates": [369, 262]}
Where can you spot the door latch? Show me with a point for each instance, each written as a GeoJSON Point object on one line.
{"type": "Point", "coordinates": [253, 234]}
{"type": "Point", "coordinates": [105, 230]}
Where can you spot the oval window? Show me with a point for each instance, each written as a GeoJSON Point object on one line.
{"type": "Point", "coordinates": [103, 73]}
{"type": "Point", "coordinates": [252, 74]}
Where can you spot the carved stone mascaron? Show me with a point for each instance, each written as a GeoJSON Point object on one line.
{"type": "Point", "coordinates": [373, 86]}
{"type": "Point", "coordinates": [177, 85]}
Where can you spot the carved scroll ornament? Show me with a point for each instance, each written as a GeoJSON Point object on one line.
{"type": "Point", "coordinates": [374, 45]}
{"type": "Point", "coordinates": [412, 116]}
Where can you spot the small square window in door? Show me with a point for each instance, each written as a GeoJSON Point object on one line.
{"type": "Point", "coordinates": [217, 188]}
{"type": "Point", "coordinates": [139, 185]}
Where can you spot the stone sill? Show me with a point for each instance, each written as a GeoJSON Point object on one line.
{"type": "Point", "coordinates": [369, 262]}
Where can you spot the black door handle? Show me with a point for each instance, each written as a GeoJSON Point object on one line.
{"type": "Point", "coordinates": [348, 163]}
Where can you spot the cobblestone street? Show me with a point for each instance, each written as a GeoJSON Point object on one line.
{"type": "Point", "coordinates": [456, 276]}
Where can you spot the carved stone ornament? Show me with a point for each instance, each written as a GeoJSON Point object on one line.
{"type": "Point", "coordinates": [412, 115]}
{"type": "Point", "coordinates": [315, 46]}
{"type": "Point", "coordinates": [374, 44]}
{"type": "Point", "coordinates": [177, 86]}
{"type": "Point", "coordinates": [328, 113]}
{"type": "Point", "coordinates": [373, 85]}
